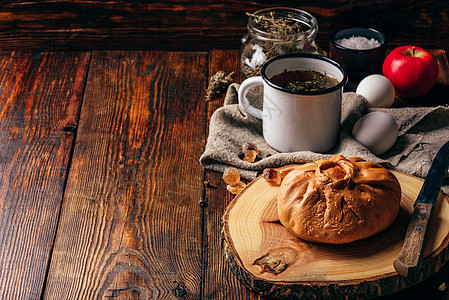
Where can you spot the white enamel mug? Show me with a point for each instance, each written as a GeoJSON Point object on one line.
{"type": "Point", "coordinates": [297, 120]}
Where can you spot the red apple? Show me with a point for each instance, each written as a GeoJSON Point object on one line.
{"type": "Point", "coordinates": [412, 70]}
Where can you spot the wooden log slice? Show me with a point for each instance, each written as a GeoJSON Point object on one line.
{"type": "Point", "coordinates": [271, 261]}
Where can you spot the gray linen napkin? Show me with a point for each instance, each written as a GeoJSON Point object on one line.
{"type": "Point", "coordinates": [422, 131]}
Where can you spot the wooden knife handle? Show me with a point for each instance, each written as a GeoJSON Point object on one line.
{"type": "Point", "coordinates": [411, 254]}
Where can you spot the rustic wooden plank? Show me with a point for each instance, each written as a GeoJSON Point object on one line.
{"type": "Point", "coordinates": [439, 94]}
{"type": "Point", "coordinates": [218, 198]}
{"type": "Point", "coordinates": [193, 25]}
{"type": "Point", "coordinates": [39, 108]}
{"type": "Point", "coordinates": [130, 224]}
{"type": "Point", "coordinates": [226, 61]}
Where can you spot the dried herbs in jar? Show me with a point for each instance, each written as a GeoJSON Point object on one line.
{"type": "Point", "coordinates": [273, 32]}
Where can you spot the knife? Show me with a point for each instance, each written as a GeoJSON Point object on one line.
{"type": "Point", "coordinates": [410, 257]}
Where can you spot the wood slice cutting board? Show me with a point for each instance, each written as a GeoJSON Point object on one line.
{"type": "Point", "coordinates": [271, 261]}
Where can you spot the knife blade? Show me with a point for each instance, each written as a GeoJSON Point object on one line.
{"type": "Point", "coordinates": [410, 257]}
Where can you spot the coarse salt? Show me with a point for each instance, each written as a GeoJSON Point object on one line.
{"type": "Point", "coordinates": [358, 43]}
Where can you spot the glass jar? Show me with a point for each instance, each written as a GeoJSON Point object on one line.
{"type": "Point", "coordinates": [276, 31]}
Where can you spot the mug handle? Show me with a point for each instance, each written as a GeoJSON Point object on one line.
{"type": "Point", "coordinates": [243, 101]}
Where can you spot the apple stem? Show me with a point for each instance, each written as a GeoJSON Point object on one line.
{"type": "Point", "coordinates": [413, 51]}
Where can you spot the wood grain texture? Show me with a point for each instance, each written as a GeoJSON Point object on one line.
{"type": "Point", "coordinates": [273, 262]}
{"type": "Point", "coordinates": [190, 25]}
{"type": "Point", "coordinates": [216, 270]}
{"type": "Point", "coordinates": [131, 224]}
{"type": "Point", "coordinates": [40, 98]}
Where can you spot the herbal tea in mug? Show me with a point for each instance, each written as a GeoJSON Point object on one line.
{"type": "Point", "coordinates": [304, 80]}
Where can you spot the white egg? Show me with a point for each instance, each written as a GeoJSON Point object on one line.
{"type": "Point", "coordinates": [377, 131]}
{"type": "Point", "coordinates": [377, 90]}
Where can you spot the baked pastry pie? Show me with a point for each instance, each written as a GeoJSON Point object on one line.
{"type": "Point", "coordinates": [338, 200]}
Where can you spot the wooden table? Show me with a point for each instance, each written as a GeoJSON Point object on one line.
{"type": "Point", "coordinates": [101, 192]}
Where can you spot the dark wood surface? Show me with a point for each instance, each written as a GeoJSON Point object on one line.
{"type": "Point", "coordinates": [203, 25]}
{"type": "Point", "coordinates": [39, 109]}
{"type": "Point", "coordinates": [101, 192]}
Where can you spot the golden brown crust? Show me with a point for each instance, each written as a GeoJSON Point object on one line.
{"type": "Point", "coordinates": [338, 200]}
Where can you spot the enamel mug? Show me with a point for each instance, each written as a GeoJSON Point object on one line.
{"type": "Point", "coordinates": [297, 120]}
